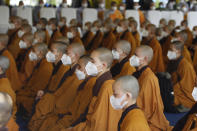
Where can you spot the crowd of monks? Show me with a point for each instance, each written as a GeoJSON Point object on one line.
{"type": "Point", "coordinates": [99, 77]}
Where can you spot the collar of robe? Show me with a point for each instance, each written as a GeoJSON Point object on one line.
{"type": "Point", "coordinates": [93, 40]}
{"type": "Point", "coordinates": [116, 69]}
{"type": "Point", "coordinates": [99, 82]}
{"type": "Point", "coordinates": [56, 67]}
{"type": "Point", "coordinates": [85, 36]}
{"type": "Point", "coordinates": [1, 52]}
{"type": "Point", "coordinates": [163, 40]}
{"type": "Point", "coordinates": [82, 85]}
{"type": "Point", "coordinates": [3, 76]}
{"type": "Point", "coordinates": [130, 108]}
{"type": "Point", "coordinates": [123, 34]}
{"type": "Point", "coordinates": [173, 65]}
{"type": "Point", "coordinates": [137, 74]}
{"type": "Point", "coordinates": [181, 123]}
{"type": "Point", "coordinates": [134, 33]}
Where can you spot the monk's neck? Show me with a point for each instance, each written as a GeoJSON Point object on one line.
{"type": "Point", "coordinates": [140, 67]}
{"type": "Point", "coordinates": [129, 104]}
{"type": "Point", "coordinates": [121, 59]}
{"type": "Point", "coordinates": [101, 73]}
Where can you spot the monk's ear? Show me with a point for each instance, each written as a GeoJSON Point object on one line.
{"type": "Point", "coordinates": [129, 95]}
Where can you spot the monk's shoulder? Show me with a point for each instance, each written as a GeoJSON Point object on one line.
{"type": "Point", "coordinates": [46, 64]}
{"type": "Point", "coordinates": [8, 54]}
{"type": "Point", "coordinates": [185, 65]}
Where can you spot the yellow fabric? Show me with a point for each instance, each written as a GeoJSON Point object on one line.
{"type": "Point", "coordinates": [109, 41]}
{"type": "Point", "coordinates": [12, 125]}
{"type": "Point", "coordinates": [13, 47]}
{"type": "Point", "coordinates": [116, 15]}
{"type": "Point", "coordinates": [187, 54]}
{"type": "Point", "coordinates": [150, 101]}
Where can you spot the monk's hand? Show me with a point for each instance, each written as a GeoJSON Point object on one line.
{"type": "Point", "coordinates": [40, 93]}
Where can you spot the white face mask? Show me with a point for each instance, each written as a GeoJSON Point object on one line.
{"type": "Point", "coordinates": [164, 34]}
{"type": "Point", "coordinates": [136, 7]}
{"type": "Point", "coordinates": [159, 38]}
{"type": "Point", "coordinates": [80, 75]}
{"type": "Point", "coordinates": [174, 39]}
{"type": "Point", "coordinates": [94, 30]}
{"type": "Point", "coordinates": [184, 9]}
{"type": "Point", "coordinates": [85, 5]}
{"type": "Point", "coordinates": [171, 55]}
{"type": "Point", "coordinates": [49, 29]}
{"type": "Point", "coordinates": [119, 29]}
{"type": "Point", "coordinates": [11, 26]}
{"type": "Point", "coordinates": [182, 28]}
{"type": "Point", "coordinates": [35, 42]}
{"type": "Point", "coordinates": [103, 29]}
{"type": "Point", "coordinates": [114, 8]}
{"type": "Point", "coordinates": [102, 5]}
{"type": "Point", "coordinates": [116, 55]}
{"type": "Point", "coordinates": [20, 33]}
{"type": "Point", "coordinates": [116, 102]}
{"type": "Point", "coordinates": [85, 28]}
{"type": "Point", "coordinates": [39, 26]}
{"type": "Point", "coordinates": [61, 24]}
{"type": "Point", "coordinates": [22, 44]}
{"type": "Point", "coordinates": [145, 33]}
{"type": "Point", "coordinates": [91, 69]}
{"type": "Point", "coordinates": [66, 60]}
{"type": "Point", "coordinates": [130, 29]}
{"type": "Point", "coordinates": [122, 8]}
{"type": "Point", "coordinates": [194, 33]}
{"type": "Point", "coordinates": [152, 8]}
{"type": "Point", "coordinates": [33, 56]}
{"type": "Point", "coordinates": [70, 35]}
{"type": "Point", "coordinates": [65, 5]}
{"type": "Point", "coordinates": [134, 61]}
{"type": "Point", "coordinates": [194, 93]}
{"type": "Point", "coordinates": [50, 57]}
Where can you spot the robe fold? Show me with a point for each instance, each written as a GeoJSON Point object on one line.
{"type": "Point", "coordinates": [189, 38]}
{"type": "Point", "coordinates": [156, 64]}
{"type": "Point", "coordinates": [150, 101]}
{"type": "Point", "coordinates": [95, 43]}
{"type": "Point", "coordinates": [56, 34]}
{"type": "Point", "coordinates": [88, 37]}
{"type": "Point", "coordinates": [136, 35]}
{"type": "Point", "coordinates": [109, 40]}
{"type": "Point", "coordinates": [187, 54]}
{"type": "Point", "coordinates": [37, 81]}
{"type": "Point", "coordinates": [12, 125]}
{"type": "Point", "coordinates": [12, 72]}
{"type": "Point", "coordinates": [195, 60]}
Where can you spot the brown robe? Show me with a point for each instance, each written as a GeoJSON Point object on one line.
{"type": "Point", "coordinates": [195, 60]}
{"type": "Point", "coordinates": [12, 72]}
{"type": "Point", "coordinates": [12, 125]}
{"type": "Point", "coordinates": [133, 119]}
{"type": "Point", "coordinates": [109, 40]}
{"type": "Point", "coordinates": [95, 43]}
{"type": "Point", "coordinates": [187, 54]}
{"type": "Point", "coordinates": [149, 99]}
{"type": "Point", "coordinates": [64, 30]}
{"type": "Point", "coordinates": [136, 35]}
{"type": "Point", "coordinates": [189, 40]}
{"type": "Point", "coordinates": [56, 34]}
{"type": "Point", "coordinates": [101, 116]}
{"type": "Point", "coordinates": [157, 64]}
{"type": "Point", "coordinates": [183, 79]}
{"type": "Point", "coordinates": [37, 81]}
{"type": "Point", "coordinates": [88, 37]}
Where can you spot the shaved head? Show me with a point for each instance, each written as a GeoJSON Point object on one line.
{"type": "Point", "coordinates": [63, 40]}
{"type": "Point", "coordinates": [60, 47]}
{"type": "Point", "coordinates": [41, 47]}
{"type": "Point", "coordinates": [77, 48]}
{"type": "Point", "coordinates": [178, 45]}
{"type": "Point", "coordinates": [128, 84]}
{"type": "Point", "coordinates": [145, 51]}
{"type": "Point", "coordinates": [4, 39]}
{"type": "Point", "coordinates": [40, 34]}
{"type": "Point", "coordinates": [125, 46]}
{"type": "Point", "coordinates": [183, 35]}
{"type": "Point", "coordinates": [28, 37]}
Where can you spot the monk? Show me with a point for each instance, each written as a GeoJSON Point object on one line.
{"type": "Point", "coordinates": [54, 30]}
{"type": "Point", "coordinates": [157, 64]}
{"type": "Point", "coordinates": [62, 24]}
{"type": "Point", "coordinates": [121, 53]}
{"type": "Point", "coordinates": [149, 99]}
{"type": "Point", "coordinates": [133, 29]}
{"type": "Point", "coordinates": [39, 37]}
{"type": "Point", "coordinates": [183, 77]}
{"type": "Point", "coordinates": [13, 47]}
{"type": "Point", "coordinates": [25, 45]}
{"type": "Point", "coordinates": [114, 13]}
{"type": "Point", "coordinates": [80, 103]}
{"type": "Point", "coordinates": [7, 122]}
{"type": "Point", "coordinates": [126, 88]}
{"type": "Point", "coordinates": [73, 35]}
{"type": "Point", "coordinates": [46, 104]}
{"type": "Point", "coordinates": [38, 80]}
{"type": "Point", "coordinates": [109, 37]}
{"type": "Point", "coordinates": [122, 33]}
{"type": "Point", "coordinates": [12, 72]}
{"type": "Point", "coordinates": [183, 37]}
{"type": "Point", "coordinates": [101, 116]}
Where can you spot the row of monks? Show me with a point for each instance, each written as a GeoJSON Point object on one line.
{"type": "Point", "coordinates": [61, 78]}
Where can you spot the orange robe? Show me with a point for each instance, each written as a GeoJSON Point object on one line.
{"type": "Point", "coordinates": [101, 15]}
{"type": "Point", "coordinates": [142, 17]}
{"type": "Point", "coordinates": [64, 30]}
{"type": "Point", "coordinates": [187, 54]}
{"type": "Point", "coordinates": [134, 121]}
{"type": "Point", "coordinates": [12, 125]}
{"type": "Point", "coordinates": [150, 101]}
{"type": "Point", "coordinates": [12, 72]}
{"type": "Point", "coordinates": [189, 40]}
{"type": "Point", "coordinates": [76, 39]}
{"type": "Point", "coordinates": [136, 35]}
{"type": "Point", "coordinates": [165, 48]}
{"type": "Point", "coordinates": [109, 40]}
{"type": "Point", "coordinates": [88, 38]}
{"type": "Point", "coordinates": [37, 81]}
{"type": "Point", "coordinates": [183, 84]}
{"type": "Point", "coordinates": [95, 43]}
{"type": "Point", "coordinates": [6, 87]}
{"type": "Point", "coordinates": [195, 61]}
{"type": "Point", "coordinates": [116, 15]}
{"type": "Point", "coordinates": [157, 64]}
{"type": "Point", "coordinates": [56, 34]}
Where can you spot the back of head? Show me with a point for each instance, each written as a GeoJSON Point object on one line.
{"type": "Point", "coordinates": [178, 45]}
{"type": "Point", "coordinates": [183, 35]}
{"type": "Point", "coordinates": [85, 59]}
{"type": "Point", "coordinates": [4, 63]}
{"type": "Point", "coordinates": [27, 28]}
{"type": "Point", "coordinates": [63, 40]}
{"type": "Point", "coordinates": [43, 21]}
{"type": "Point", "coordinates": [129, 84]}
{"type": "Point", "coordinates": [53, 21]}
{"type": "Point", "coordinates": [4, 39]}
{"type": "Point", "coordinates": [41, 34]}
{"type": "Point", "coordinates": [146, 51]}
{"type": "Point", "coordinates": [41, 47]}
{"type": "Point", "coordinates": [28, 36]}
{"type": "Point", "coordinates": [105, 55]}
{"type": "Point", "coordinates": [125, 46]}
{"type": "Point", "coordinates": [60, 47]}
{"type": "Point", "coordinates": [78, 49]}
{"type": "Point", "coordinates": [5, 108]}
{"type": "Point", "coordinates": [152, 27]}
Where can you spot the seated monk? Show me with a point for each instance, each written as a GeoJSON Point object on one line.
{"type": "Point", "coordinates": [188, 122]}
{"type": "Point", "coordinates": [122, 33]}
{"type": "Point", "coordinates": [133, 29]}
{"type": "Point", "coordinates": [46, 104]}
{"type": "Point", "coordinates": [101, 10]}
{"type": "Point", "coordinates": [25, 45]}
{"type": "Point", "coordinates": [183, 36]}
{"type": "Point", "coordinates": [12, 72]}
{"type": "Point", "coordinates": [79, 105]}
{"type": "Point", "coordinates": [126, 89]}
{"type": "Point", "coordinates": [73, 35]}
{"type": "Point", "coordinates": [121, 53]}
{"type": "Point", "coordinates": [54, 30]}
{"type": "Point", "coordinates": [62, 25]}
{"type": "Point", "coordinates": [109, 38]}
{"type": "Point", "coordinates": [100, 116]}
{"type": "Point", "coordinates": [90, 34]}
{"type": "Point", "coordinates": [157, 64]}
{"type": "Point", "coordinates": [7, 123]}
{"type": "Point", "coordinates": [13, 47]}
{"type": "Point", "coordinates": [114, 13]}
{"type": "Point", "coordinates": [4, 82]}
{"type": "Point", "coordinates": [39, 78]}
{"type": "Point", "coordinates": [86, 33]}
{"type": "Point", "coordinates": [149, 99]}
{"type": "Point", "coordinates": [39, 37]}
{"type": "Point", "coordinates": [183, 77]}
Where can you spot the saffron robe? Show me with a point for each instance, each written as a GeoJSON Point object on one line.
{"type": "Point", "coordinates": [109, 40]}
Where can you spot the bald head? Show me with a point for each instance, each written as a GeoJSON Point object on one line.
{"type": "Point", "coordinates": [124, 45]}
{"type": "Point", "coordinates": [77, 48]}
{"type": "Point", "coordinates": [26, 28]}
{"type": "Point", "coordinates": [128, 84]}
{"type": "Point", "coordinates": [5, 108]}
{"type": "Point", "coordinates": [183, 35]}
{"type": "Point", "coordinates": [151, 28]}
{"type": "Point", "coordinates": [178, 45]}
{"type": "Point", "coordinates": [4, 39]}
{"type": "Point", "coordinates": [41, 47]}
{"type": "Point", "coordinates": [145, 51]}
{"type": "Point", "coordinates": [63, 40]}
{"type": "Point", "coordinates": [4, 64]}
{"type": "Point", "coordinates": [40, 35]}
{"type": "Point", "coordinates": [59, 47]}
